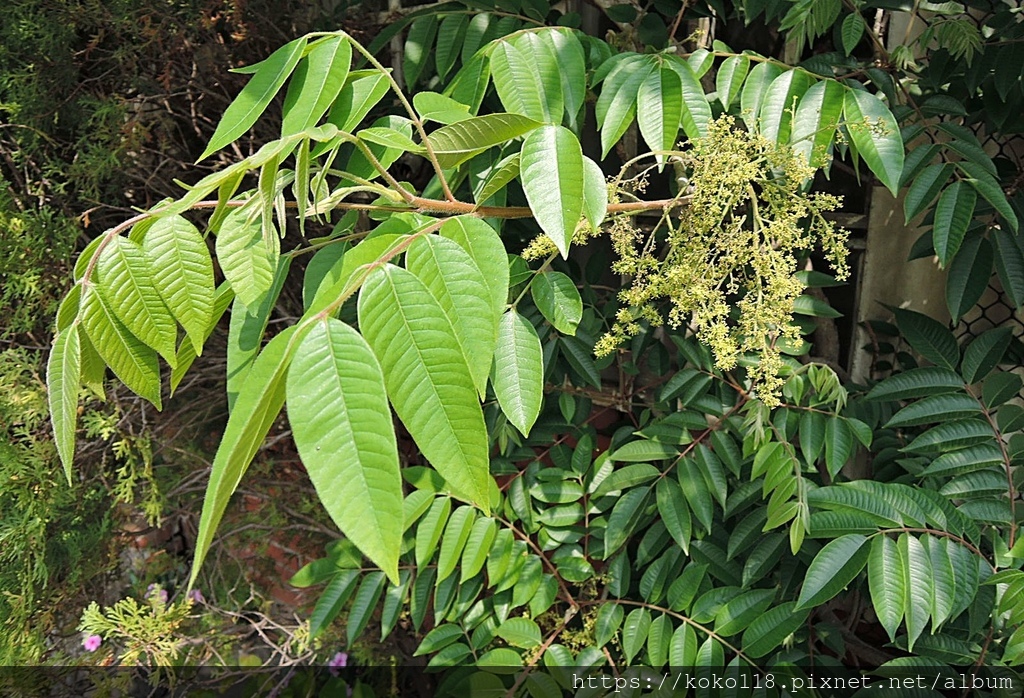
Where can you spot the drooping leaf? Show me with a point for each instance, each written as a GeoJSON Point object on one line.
{"type": "Point", "coordinates": [317, 82]}
{"type": "Point", "coordinates": [730, 77]}
{"type": "Point", "coordinates": [616, 105]}
{"type": "Point", "coordinates": [364, 603]}
{"type": "Point", "coordinates": [124, 277]}
{"type": "Point", "coordinates": [815, 122]}
{"type": "Point", "coordinates": [339, 414]}
{"type": "Point", "coordinates": [953, 214]}
{"type": "Point", "coordinates": [63, 383]}
{"type": "Point", "coordinates": [851, 32]}
{"type": "Point", "coordinates": [1009, 264]}
{"type": "Point", "coordinates": [521, 85]}
{"type": "Point", "coordinates": [754, 89]}
{"type": "Point", "coordinates": [485, 247]}
{"type": "Point", "coordinates": [134, 363]}
{"type": "Point", "coordinates": [609, 619]}
{"type": "Point", "coordinates": [256, 409]}
{"type": "Point", "coordinates": [450, 34]}
{"type": "Point", "coordinates": [780, 103]}
{"type": "Point", "coordinates": [246, 261]}
{"type": "Point", "coordinates": [917, 578]}
{"type": "Point", "coordinates": [634, 632]}
{"type": "Point", "coordinates": [552, 176]}
{"type": "Point", "coordinates": [832, 569]}
{"type": "Point", "coordinates": [917, 382]}
{"type": "Point", "coordinates": [518, 376]}
{"type": "Point", "coordinates": [455, 280]}
{"type": "Point", "coordinates": [875, 134]}
{"type": "Point", "coordinates": [595, 193]}
{"type": "Point", "coordinates": [571, 64]}
{"type": "Point", "coordinates": [929, 338]}
{"type": "Point", "coordinates": [674, 513]}
{"type": "Point", "coordinates": [985, 352]}
{"type": "Point", "coordinates": [356, 99]}
{"type": "Point", "coordinates": [458, 142]}
{"type": "Point", "coordinates": [257, 94]}
{"type": "Point", "coordinates": [182, 274]}
{"type": "Point", "coordinates": [969, 274]}
{"type": "Point", "coordinates": [659, 110]}
{"type": "Point", "coordinates": [771, 629]}
{"type": "Point", "coordinates": [427, 378]}
{"type": "Point", "coordinates": [332, 599]}
{"type": "Point", "coordinates": [453, 541]}
{"type": "Point", "coordinates": [558, 300]}
{"type": "Point", "coordinates": [417, 48]}
{"type": "Point", "coordinates": [887, 583]}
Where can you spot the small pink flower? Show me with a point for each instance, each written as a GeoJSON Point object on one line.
{"type": "Point", "coordinates": [197, 596]}
{"type": "Point", "coordinates": [156, 593]}
{"type": "Point", "coordinates": [338, 661]}
{"type": "Point", "coordinates": [92, 643]}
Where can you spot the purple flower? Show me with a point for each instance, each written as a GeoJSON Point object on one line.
{"type": "Point", "coordinates": [92, 643]}
{"type": "Point", "coordinates": [156, 593]}
{"type": "Point", "coordinates": [197, 596]}
{"type": "Point", "coordinates": [338, 661]}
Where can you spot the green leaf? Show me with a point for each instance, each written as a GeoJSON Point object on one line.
{"type": "Point", "coordinates": [356, 99]}
{"type": "Point", "coordinates": [838, 444]}
{"type": "Point", "coordinates": [552, 177]}
{"type": "Point", "coordinates": [524, 81]}
{"type": "Point", "coordinates": [930, 338]}
{"type": "Point", "coordinates": [332, 600]}
{"type": "Point", "coordinates": [624, 478]}
{"type": "Point", "coordinates": [427, 378]}
{"type": "Point", "coordinates": [339, 414]}
{"type": "Point", "coordinates": [518, 372]}
{"type": "Point", "coordinates": [780, 102]}
{"type": "Point", "coordinates": [124, 278]}
{"type": "Point", "coordinates": [256, 410]}
{"type": "Point", "coordinates": [439, 638]}
{"type": "Point", "coordinates": [453, 542]}
{"type": "Point", "coordinates": [317, 82]}
{"type": "Point", "coordinates": [812, 435]}
{"type": "Point", "coordinates": [696, 110]}
{"type": "Point", "coordinates": [887, 583]}
{"type": "Point", "coordinates": [363, 604]}
{"type": "Point", "coordinates": [248, 264]}
{"type": "Point", "coordinates": [815, 122]}
{"type": "Point", "coordinates": [558, 300]}
{"type": "Point", "coordinates": [428, 533]}
{"type": "Point", "coordinates": [984, 353]}
{"type": "Point", "coordinates": [63, 383]}
{"type": "Point", "coordinates": [520, 632]}
{"type": "Point", "coordinates": [417, 48]}
{"type": "Point", "coordinates": [851, 31]}
{"type": "Point", "coordinates": [990, 189]}
{"type": "Point", "coordinates": [595, 193]}
{"type": "Point", "coordinates": [876, 136]}
{"type": "Point", "coordinates": [682, 650]}
{"type": "Point", "coordinates": [729, 81]}
{"type": "Point", "coordinates": [485, 247]}
{"type": "Point", "coordinates": [635, 631]}
{"type": "Point", "coordinates": [953, 213]}
{"type": "Point", "coordinates": [934, 409]}
{"type": "Point", "coordinates": [186, 352]}
{"type": "Point", "coordinates": [754, 89]}
{"type": "Point", "coordinates": [659, 110]}
{"type": "Point", "coordinates": [969, 274]}
{"type": "Point", "coordinates": [616, 105]}
{"type": "Point", "coordinates": [643, 450]}
{"type": "Point", "coordinates": [134, 363]}
{"type": "Point", "coordinates": [943, 584]}
{"type": "Point", "coordinates": [609, 618]}
{"type": "Point", "coordinates": [257, 94]}
{"type": "Point", "coordinates": [917, 578]}
{"type": "Point", "coordinates": [455, 280]}
{"type": "Point", "coordinates": [832, 569]}
{"type": "Point", "coordinates": [432, 106]}
{"type": "Point", "coordinates": [571, 67]}
{"type": "Point", "coordinates": [951, 435]}
{"type": "Point", "coordinates": [497, 177]}
{"type": "Point", "coordinates": [1009, 264]}
{"type": "Point", "coordinates": [449, 39]}
{"type": "Point", "coordinates": [624, 518]}
{"type": "Point", "coordinates": [182, 273]}
{"type": "Point", "coordinates": [925, 187]}
{"type": "Point", "coordinates": [737, 613]}
{"type": "Point", "coordinates": [675, 513]}
{"type": "Point", "coordinates": [1000, 387]}
{"type": "Point", "coordinates": [390, 138]}
{"type": "Point", "coordinates": [965, 460]}
{"type": "Point", "coordinates": [458, 142]}
{"type": "Point", "coordinates": [478, 545]}
{"type": "Point", "coordinates": [917, 382]}
{"type": "Point", "coordinates": [771, 629]}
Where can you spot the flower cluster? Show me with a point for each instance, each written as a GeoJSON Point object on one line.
{"type": "Point", "coordinates": [729, 260]}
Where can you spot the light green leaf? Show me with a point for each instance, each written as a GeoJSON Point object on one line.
{"type": "Point", "coordinates": [356, 99]}
{"type": "Point", "coordinates": [595, 193]}
{"type": "Point", "coordinates": [453, 542]}
{"type": "Point", "coordinates": [616, 105]}
{"type": "Point", "coordinates": [520, 84]}
{"type": "Point", "coordinates": [838, 444]}
{"type": "Point", "coordinates": [417, 48]}
{"type": "Point", "coordinates": [478, 545]}
{"type": "Point", "coordinates": [244, 258]}
{"type": "Point", "coordinates": [634, 632]}
{"type": "Point", "coordinates": [729, 81]}
{"type": "Point", "coordinates": [754, 90]}
{"type": "Point", "coordinates": [455, 280]}
{"type": "Point", "coordinates": [186, 352]}
{"type": "Point", "coordinates": [780, 103]}
{"type": "Point", "coordinates": [518, 374]}
{"type": "Point", "coordinates": [917, 580]}
{"type": "Point", "coordinates": [815, 122]}
{"type": "Point", "coordinates": [124, 277]}
{"type": "Point", "coordinates": [659, 110]}
{"type": "Point", "coordinates": [390, 138]}
{"type": "Point", "coordinates": [887, 583]}
{"type": "Point", "coordinates": [558, 300]}
{"type": "Point", "coordinates": [485, 247]}
{"type": "Point", "coordinates": [182, 274]}
{"type": "Point", "coordinates": [428, 533]}
{"type": "Point", "coordinates": [134, 363]}
{"type": "Point", "coordinates": [339, 414]}
{"type": "Point", "coordinates": [256, 410]}
{"type": "Point", "coordinates": [363, 604]}
{"type": "Point", "coordinates": [571, 68]}
{"type": "Point", "coordinates": [427, 378]}
{"type": "Point", "coordinates": [63, 383]}
{"type": "Point", "coordinates": [449, 39]}
{"type": "Point", "coordinates": [876, 136]}
{"type": "Point", "coordinates": [771, 629]}
{"type": "Point", "coordinates": [318, 80]}
{"type": "Point", "coordinates": [953, 213]}
{"type": "Point", "coordinates": [432, 106]}
{"type": "Point", "coordinates": [498, 176]}
{"type": "Point", "coordinates": [832, 569]}
{"type": "Point", "coordinates": [458, 142]}
{"type": "Point", "coordinates": [257, 94]}
{"type": "Point", "coordinates": [552, 176]}
{"type": "Point", "coordinates": [520, 632]}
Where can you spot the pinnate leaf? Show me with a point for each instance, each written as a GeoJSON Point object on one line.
{"type": "Point", "coordinates": [552, 176]}
{"type": "Point", "coordinates": [518, 376]}
{"type": "Point", "coordinates": [63, 382]}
